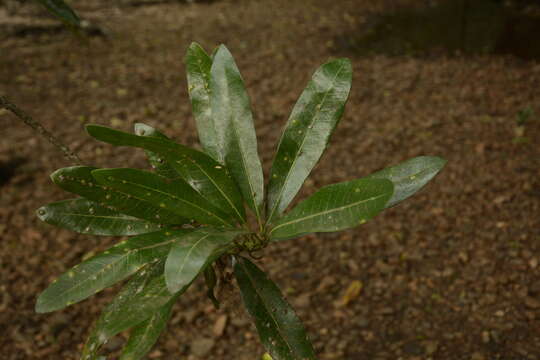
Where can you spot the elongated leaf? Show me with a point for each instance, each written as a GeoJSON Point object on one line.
{"type": "Point", "coordinates": [210, 279]}
{"type": "Point", "coordinates": [234, 126]}
{"type": "Point", "coordinates": [203, 173]}
{"type": "Point", "coordinates": [307, 133]}
{"type": "Point", "coordinates": [409, 176]}
{"type": "Point", "coordinates": [193, 253]}
{"type": "Point", "coordinates": [198, 65]}
{"type": "Point", "coordinates": [335, 207]}
{"type": "Point", "coordinates": [144, 335]}
{"type": "Point", "coordinates": [280, 330]}
{"type": "Point", "coordinates": [174, 195]}
{"type": "Point", "coordinates": [107, 268]}
{"type": "Point", "coordinates": [144, 295]}
{"type": "Point", "coordinates": [61, 10]}
{"type": "Point", "coordinates": [161, 166]}
{"type": "Point", "coordinates": [88, 217]}
{"type": "Point", "coordinates": [79, 180]}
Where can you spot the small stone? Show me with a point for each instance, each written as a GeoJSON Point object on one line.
{"type": "Point", "coordinates": [201, 347]}
{"type": "Point", "coordinates": [156, 354]}
{"type": "Point", "coordinates": [499, 313]}
{"type": "Point", "coordinates": [485, 337]}
{"type": "Point", "coordinates": [219, 325]}
{"type": "Point", "coordinates": [532, 303]}
{"type": "Point", "coordinates": [239, 321]}
{"type": "Point", "coordinates": [477, 356]}
{"type": "Point", "coordinates": [302, 301]}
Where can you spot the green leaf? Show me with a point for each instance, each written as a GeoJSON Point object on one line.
{"type": "Point", "coordinates": [335, 207]}
{"type": "Point", "coordinates": [107, 268]}
{"type": "Point", "coordinates": [198, 65]}
{"type": "Point", "coordinates": [174, 195]}
{"type": "Point", "coordinates": [307, 133]}
{"type": "Point", "coordinates": [234, 126]}
{"type": "Point", "coordinates": [79, 180]}
{"type": "Point", "coordinates": [145, 335]}
{"type": "Point", "coordinates": [88, 217]}
{"type": "Point", "coordinates": [211, 280]}
{"type": "Point", "coordinates": [61, 10]}
{"type": "Point", "coordinates": [203, 173]}
{"type": "Point", "coordinates": [409, 176]}
{"type": "Point", "coordinates": [161, 166]}
{"type": "Point", "coordinates": [144, 295]}
{"type": "Point", "coordinates": [280, 329]}
{"type": "Point", "coordinates": [193, 253]}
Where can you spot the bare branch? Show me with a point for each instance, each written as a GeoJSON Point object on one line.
{"type": "Point", "coordinates": [28, 120]}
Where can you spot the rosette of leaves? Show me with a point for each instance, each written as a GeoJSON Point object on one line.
{"type": "Point", "coordinates": [197, 207]}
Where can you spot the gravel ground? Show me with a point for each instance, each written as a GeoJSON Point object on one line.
{"type": "Point", "coordinates": [452, 273]}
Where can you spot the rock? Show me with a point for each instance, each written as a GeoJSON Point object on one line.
{"type": "Point", "coordinates": [531, 303]}
{"type": "Point", "coordinates": [302, 301]}
{"type": "Point", "coordinates": [219, 325]}
{"type": "Point", "coordinates": [202, 346]}
{"type": "Point", "coordinates": [477, 356]}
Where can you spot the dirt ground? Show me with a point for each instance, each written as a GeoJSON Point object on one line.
{"type": "Point", "coordinates": [452, 273]}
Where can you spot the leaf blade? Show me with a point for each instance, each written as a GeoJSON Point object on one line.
{"type": "Point", "coordinates": [193, 253]}
{"type": "Point", "coordinates": [143, 295]}
{"type": "Point", "coordinates": [409, 176]}
{"type": "Point", "coordinates": [161, 167]}
{"type": "Point", "coordinates": [279, 328]}
{"type": "Point", "coordinates": [60, 9]}
{"type": "Point", "coordinates": [235, 130]}
{"type": "Point", "coordinates": [335, 207]}
{"type": "Point", "coordinates": [198, 65]}
{"type": "Point", "coordinates": [308, 130]}
{"type": "Point", "coordinates": [105, 269]}
{"type": "Point", "coordinates": [79, 180]}
{"type": "Point", "coordinates": [88, 217]}
{"type": "Point", "coordinates": [174, 195]}
{"type": "Point", "coordinates": [145, 335]}
{"type": "Point", "coordinates": [203, 173]}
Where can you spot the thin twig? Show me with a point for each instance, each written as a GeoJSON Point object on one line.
{"type": "Point", "coordinates": [28, 120]}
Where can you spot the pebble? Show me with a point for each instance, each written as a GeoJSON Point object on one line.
{"type": "Point", "coordinates": [219, 325]}
{"type": "Point", "coordinates": [202, 346]}
{"type": "Point", "coordinates": [477, 356]}
{"type": "Point", "coordinates": [531, 303]}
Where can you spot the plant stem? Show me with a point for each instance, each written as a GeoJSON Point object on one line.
{"type": "Point", "coordinates": [28, 120]}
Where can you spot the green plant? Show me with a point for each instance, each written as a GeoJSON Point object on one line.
{"type": "Point", "coordinates": [62, 11]}
{"type": "Point", "coordinates": [188, 216]}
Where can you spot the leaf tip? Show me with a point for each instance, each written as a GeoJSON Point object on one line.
{"type": "Point", "coordinates": [41, 306]}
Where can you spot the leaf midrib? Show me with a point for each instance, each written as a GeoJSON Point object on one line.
{"type": "Point", "coordinates": [224, 194]}
{"type": "Point", "coordinates": [291, 349]}
{"type": "Point", "coordinates": [180, 199]}
{"type": "Point", "coordinates": [114, 263]}
{"type": "Point", "coordinates": [327, 212]}
{"type": "Point", "coordinates": [194, 245]}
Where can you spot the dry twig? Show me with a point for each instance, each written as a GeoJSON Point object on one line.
{"type": "Point", "coordinates": [28, 120]}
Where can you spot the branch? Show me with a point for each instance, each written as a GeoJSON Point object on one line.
{"type": "Point", "coordinates": [8, 105]}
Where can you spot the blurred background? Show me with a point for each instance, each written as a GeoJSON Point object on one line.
{"type": "Point", "coordinates": [452, 273]}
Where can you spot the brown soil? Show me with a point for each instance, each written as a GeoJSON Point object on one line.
{"type": "Point", "coordinates": [452, 273]}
